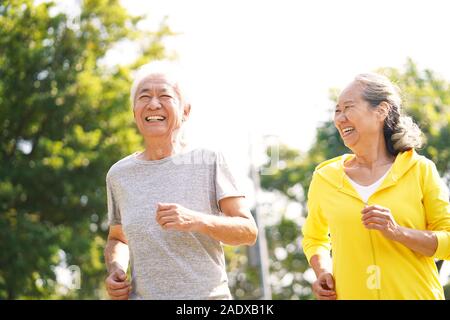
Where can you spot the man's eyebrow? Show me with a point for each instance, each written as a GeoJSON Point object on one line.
{"type": "Point", "coordinates": [161, 90]}
{"type": "Point", "coordinates": [143, 90]}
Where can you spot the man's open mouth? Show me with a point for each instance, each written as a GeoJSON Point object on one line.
{"type": "Point", "coordinates": [155, 118]}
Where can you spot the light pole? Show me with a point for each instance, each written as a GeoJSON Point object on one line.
{"type": "Point", "coordinates": [258, 254]}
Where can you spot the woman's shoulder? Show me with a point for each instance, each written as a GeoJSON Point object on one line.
{"type": "Point", "coordinates": [412, 157]}
{"type": "Point", "coordinates": [332, 164]}
{"type": "Point", "coordinates": [329, 171]}
{"type": "Point", "coordinates": [425, 169]}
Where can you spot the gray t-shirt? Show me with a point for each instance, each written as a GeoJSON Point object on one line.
{"type": "Point", "coordinates": [169, 264]}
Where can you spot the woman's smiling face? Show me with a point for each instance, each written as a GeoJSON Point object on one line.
{"type": "Point", "coordinates": [354, 118]}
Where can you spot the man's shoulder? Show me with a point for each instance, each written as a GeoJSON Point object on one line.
{"type": "Point", "coordinates": [198, 156]}
{"type": "Point", "coordinates": [121, 165]}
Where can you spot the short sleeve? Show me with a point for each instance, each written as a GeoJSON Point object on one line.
{"type": "Point", "coordinates": [316, 239]}
{"type": "Point", "coordinates": [114, 217]}
{"type": "Point", "coordinates": [437, 209]}
{"type": "Point", "coordinates": [225, 182]}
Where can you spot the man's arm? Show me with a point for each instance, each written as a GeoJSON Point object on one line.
{"type": "Point", "coordinates": [236, 227]}
{"type": "Point", "coordinates": [117, 256]}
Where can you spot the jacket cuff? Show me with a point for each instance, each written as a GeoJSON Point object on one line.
{"type": "Point", "coordinates": [316, 250]}
{"type": "Point", "coordinates": [443, 248]}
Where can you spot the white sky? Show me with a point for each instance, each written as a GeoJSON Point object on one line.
{"type": "Point", "coordinates": [265, 67]}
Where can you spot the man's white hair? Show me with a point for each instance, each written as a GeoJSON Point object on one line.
{"type": "Point", "coordinates": [171, 72]}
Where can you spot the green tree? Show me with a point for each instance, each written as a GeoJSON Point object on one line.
{"type": "Point", "coordinates": [243, 273]}
{"type": "Point", "coordinates": [426, 99]}
{"type": "Point", "coordinates": [65, 119]}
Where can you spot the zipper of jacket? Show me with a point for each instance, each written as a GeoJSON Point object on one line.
{"type": "Point", "coordinates": [374, 258]}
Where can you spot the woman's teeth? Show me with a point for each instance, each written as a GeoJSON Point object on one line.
{"type": "Point", "coordinates": [347, 130]}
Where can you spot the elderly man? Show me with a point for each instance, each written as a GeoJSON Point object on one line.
{"type": "Point", "coordinates": [170, 208]}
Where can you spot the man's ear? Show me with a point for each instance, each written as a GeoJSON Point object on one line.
{"type": "Point", "coordinates": [383, 110]}
{"type": "Point", "coordinates": [186, 111]}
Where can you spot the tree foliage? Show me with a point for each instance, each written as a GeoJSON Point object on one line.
{"type": "Point", "coordinates": [65, 119]}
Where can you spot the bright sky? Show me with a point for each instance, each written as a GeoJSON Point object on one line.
{"type": "Point", "coordinates": [265, 67]}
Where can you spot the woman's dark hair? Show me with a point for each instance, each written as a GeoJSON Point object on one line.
{"type": "Point", "coordinates": [400, 131]}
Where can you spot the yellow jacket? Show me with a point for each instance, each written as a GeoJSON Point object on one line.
{"type": "Point", "coordinates": [366, 265]}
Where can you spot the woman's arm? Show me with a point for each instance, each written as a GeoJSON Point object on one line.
{"type": "Point", "coordinates": [422, 241]}
{"type": "Point", "coordinates": [236, 227]}
{"type": "Point", "coordinates": [324, 287]}
{"type": "Point", "coordinates": [379, 218]}
{"type": "Point", "coordinates": [433, 242]}
{"type": "Point", "coordinates": [320, 264]}
{"type": "Point", "coordinates": [437, 209]}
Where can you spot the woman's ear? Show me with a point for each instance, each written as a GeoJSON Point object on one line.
{"type": "Point", "coordinates": [383, 110]}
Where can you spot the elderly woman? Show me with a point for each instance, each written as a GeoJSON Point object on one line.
{"type": "Point", "coordinates": [383, 210]}
{"type": "Point", "coordinates": [170, 208]}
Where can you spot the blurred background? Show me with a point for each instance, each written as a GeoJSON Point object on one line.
{"type": "Point", "coordinates": [263, 79]}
